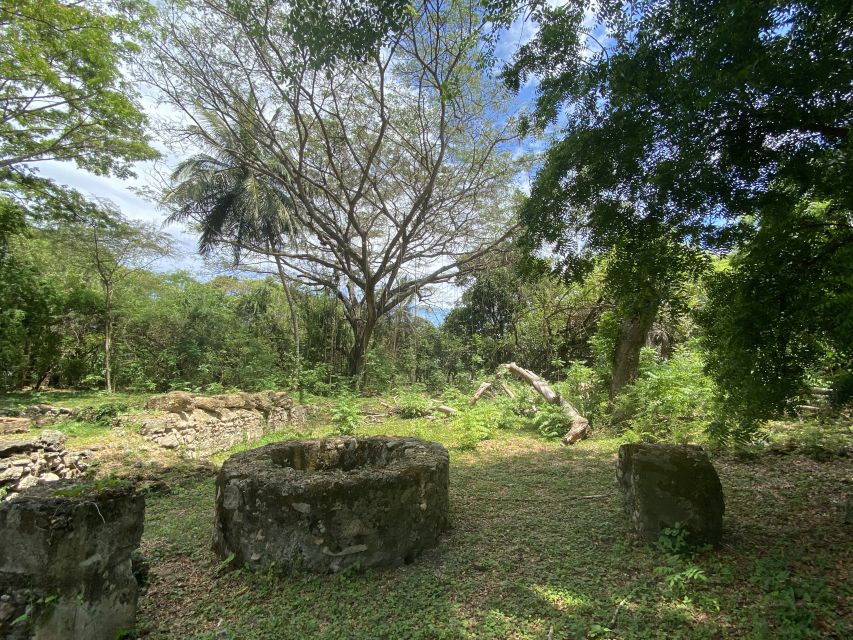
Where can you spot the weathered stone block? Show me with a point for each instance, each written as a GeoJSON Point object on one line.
{"type": "Point", "coordinates": [668, 484]}
{"type": "Point", "coordinates": [327, 504]}
{"type": "Point", "coordinates": [65, 562]}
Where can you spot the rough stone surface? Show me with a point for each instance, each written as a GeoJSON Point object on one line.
{"type": "Point", "coordinates": [21, 420]}
{"type": "Point", "coordinates": [324, 505]}
{"type": "Point", "coordinates": [26, 462]}
{"type": "Point", "coordinates": [14, 424]}
{"type": "Point", "coordinates": [65, 562]}
{"type": "Point", "coordinates": [198, 426]}
{"type": "Point", "coordinates": [668, 484]}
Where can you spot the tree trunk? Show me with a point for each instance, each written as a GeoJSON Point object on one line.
{"type": "Point", "coordinates": [108, 346]}
{"type": "Point", "coordinates": [108, 339]}
{"type": "Point", "coordinates": [42, 379]}
{"type": "Point", "coordinates": [626, 360]}
{"type": "Point", "coordinates": [362, 332]}
{"type": "Point", "coordinates": [294, 316]}
{"type": "Point", "coordinates": [579, 425]}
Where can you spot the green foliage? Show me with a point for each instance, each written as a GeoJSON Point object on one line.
{"type": "Point", "coordinates": [779, 311]}
{"type": "Point", "coordinates": [64, 94]}
{"type": "Point", "coordinates": [791, 602]}
{"type": "Point", "coordinates": [483, 420]}
{"type": "Point", "coordinates": [678, 570]}
{"type": "Point", "coordinates": [551, 421]}
{"type": "Point", "coordinates": [102, 415]}
{"type": "Point", "coordinates": [705, 125]}
{"type": "Point", "coordinates": [603, 345]}
{"type": "Point", "coordinates": [672, 400]}
{"type": "Point", "coordinates": [585, 389]}
{"type": "Point", "coordinates": [413, 404]}
{"type": "Point", "coordinates": [346, 414]}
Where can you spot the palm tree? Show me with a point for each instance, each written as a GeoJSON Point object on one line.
{"type": "Point", "coordinates": [230, 203]}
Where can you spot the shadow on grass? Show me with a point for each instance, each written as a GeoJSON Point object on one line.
{"type": "Point", "coordinates": [538, 544]}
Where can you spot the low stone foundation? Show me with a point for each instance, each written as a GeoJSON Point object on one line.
{"type": "Point", "coordinates": [27, 462]}
{"type": "Point", "coordinates": [199, 426]}
{"type": "Point", "coordinates": [65, 562]}
{"type": "Point", "coordinates": [324, 505]}
{"type": "Point", "coordinates": [667, 484]}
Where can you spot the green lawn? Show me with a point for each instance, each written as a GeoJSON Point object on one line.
{"type": "Point", "coordinates": [538, 545]}
{"type": "Point", "coordinates": [75, 400]}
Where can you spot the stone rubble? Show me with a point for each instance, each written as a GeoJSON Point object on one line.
{"type": "Point", "coordinates": [25, 463]}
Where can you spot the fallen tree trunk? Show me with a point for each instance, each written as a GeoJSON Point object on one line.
{"type": "Point", "coordinates": [443, 408]}
{"type": "Point", "coordinates": [506, 389]}
{"type": "Point", "coordinates": [579, 428]}
{"type": "Point", "coordinates": [483, 388]}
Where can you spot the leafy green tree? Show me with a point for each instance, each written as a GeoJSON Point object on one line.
{"type": "Point", "coordinates": [780, 311]}
{"type": "Point", "coordinates": [684, 126]}
{"type": "Point", "coordinates": [234, 205]}
{"type": "Point", "coordinates": [63, 95]}
{"type": "Point", "coordinates": [47, 311]}
{"type": "Point", "coordinates": [113, 248]}
{"type": "Point", "coordinates": [397, 161]}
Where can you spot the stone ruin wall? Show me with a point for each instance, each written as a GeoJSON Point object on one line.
{"type": "Point", "coordinates": [27, 462]}
{"type": "Point", "coordinates": [199, 426]}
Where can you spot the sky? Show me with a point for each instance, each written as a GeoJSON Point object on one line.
{"type": "Point", "coordinates": [129, 197]}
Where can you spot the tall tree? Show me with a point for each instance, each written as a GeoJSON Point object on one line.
{"type": "Point", "coordinates": [234, 205]}
{"type": "Point", "coordinates": [62, 92]}
{"type": "Point", "coordinates": [114, 248]}
{"type": "Point", "coordinates": [685, 124]}
{"type": "Point", "coordinates": [397, 163]}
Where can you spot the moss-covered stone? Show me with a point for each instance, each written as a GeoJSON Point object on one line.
{"type": "Point", "coordinates": [665, 485]}
{"type": "Point", "coordinates": [328, 504]}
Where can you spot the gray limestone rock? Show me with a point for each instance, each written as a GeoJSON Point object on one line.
{"type": "Point", "coordinates": [324, 505]}
{"type": "Point", "coordinates": [65, 561]}
{"type": "Point", "coordinates": [668, 484]}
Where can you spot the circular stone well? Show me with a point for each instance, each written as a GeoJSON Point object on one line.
{"type": "Point", "coordinates": [327, 504]}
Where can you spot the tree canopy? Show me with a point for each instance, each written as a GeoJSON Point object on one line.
{"type": "Point", "coordinates": [694, 126]}
{"type": "Point", "coordinates": [396, 167]}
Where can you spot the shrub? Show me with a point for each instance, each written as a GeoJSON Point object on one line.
{"type": "Point", "coordinates": [585, 388]}
{"type": "Point", "coordinates": [315, 380]}
{"type": "Point", "coordinates": [413, 405]}
{"type": "Point", "coordinates": [346, 415]}
{"type": "Point", "coordinates": [480, 422]}
{"type": "Point", "coordinates": [551, 421]}
{"type": "Point", "coordinates": [672, 400]}
{"type": "Point", "coordinates": [102, 415]}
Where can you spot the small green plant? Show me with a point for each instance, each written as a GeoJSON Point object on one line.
{"type": "Point", "coordinates": [413, 405]}
{"type": "Point", "coordinates": [102, 415]}
{"type": "Point", "coordinates": [475, 425]}
{"type": "Point", "coordinates": [673, 540]}
{"type": "Point", "coordinates": [551, 421]}
{"type": "Point", "coordinates": [678, 569]}
{"type": "Point", "coordinates": [346, 415]}
{"type": "Point", "coordinates": [792, 602]}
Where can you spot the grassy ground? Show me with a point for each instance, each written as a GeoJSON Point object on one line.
{"type": "Point", "coordinates": [538, 545]}
{"type": "Point", "coordinates": [538, 548]}
{"type": "Point", "coordinates": [76, 400]}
